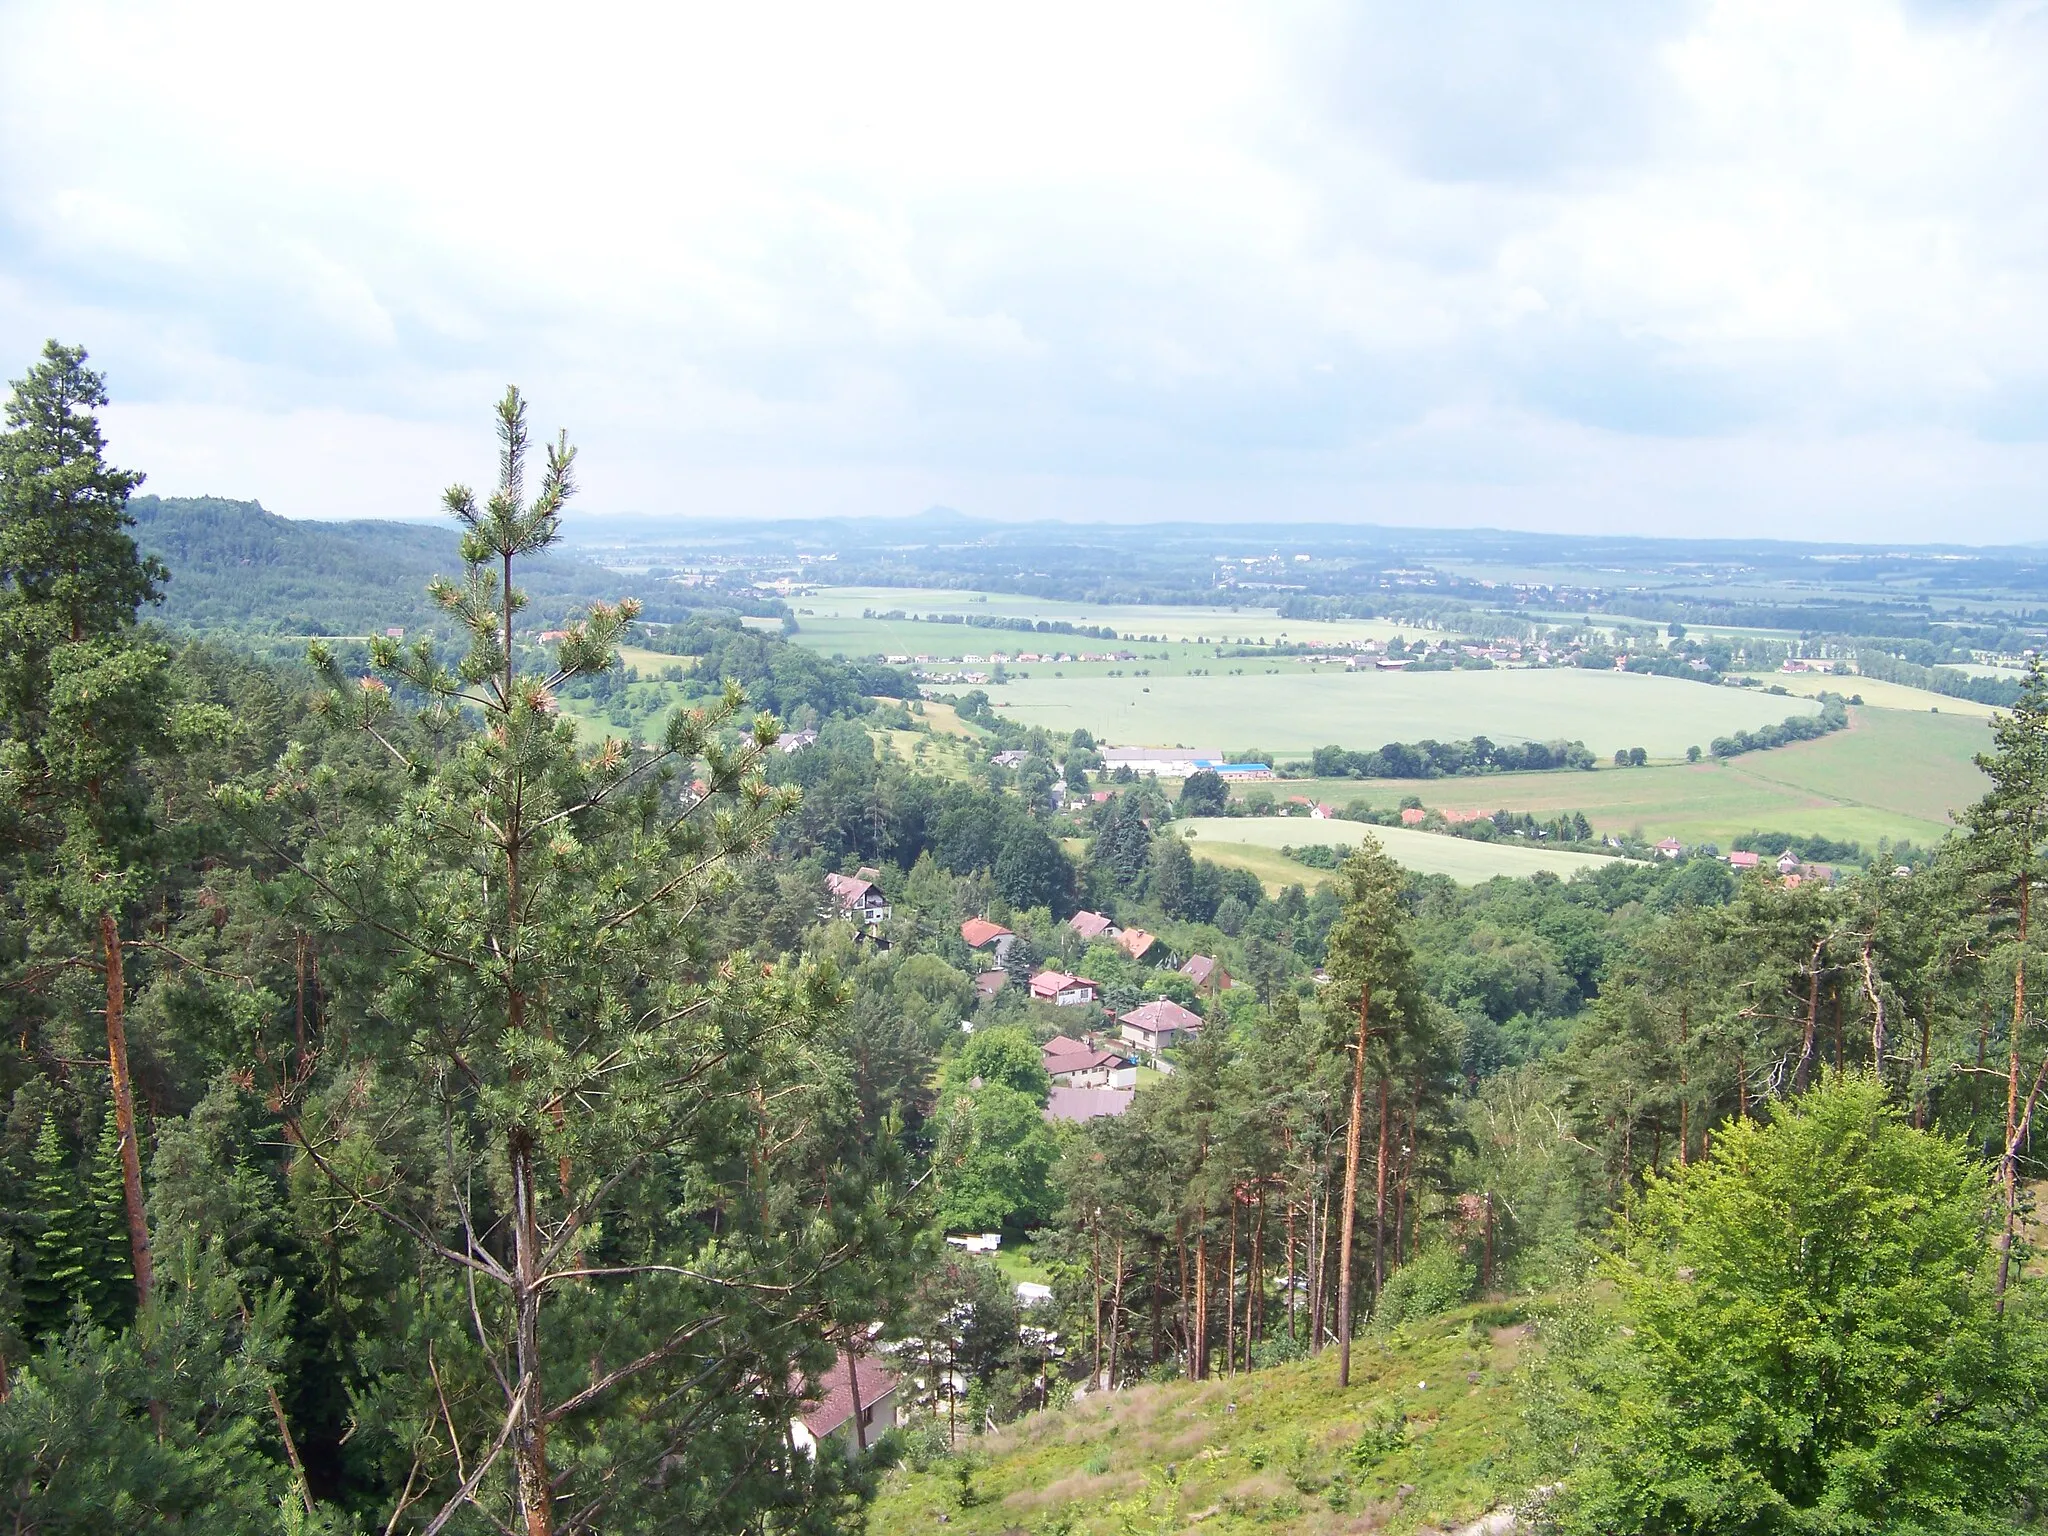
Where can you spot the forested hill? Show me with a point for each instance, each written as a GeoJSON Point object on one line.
{"type": "Point", "coordinates": [235, 566]}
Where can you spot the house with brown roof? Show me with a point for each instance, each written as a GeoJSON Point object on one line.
{"type": "Point", "coordinates": [1207, 973]}
{"type": "Point", "coordinates": [853, 1407]}
{"type": "Point", "coordinates": [1159, 1025]}
{"type": "Point", "coordinates": [1136, 942]}
{"type": "Point", "coordinates": [986, 937]}
{"type": "Point", "coordinates": [1093, 925]}
{"type": "Point", "coordinates": [1062, 990]}
{"type": "Point", "coordinates": [858, 900]}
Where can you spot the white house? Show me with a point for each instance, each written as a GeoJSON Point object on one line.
{"type": "Point", "coordinates": [1073, 1064]}
{"type": "Point", "coordinates": [1159, 1025]}
{"type": "Point", "coordinates": [858, 900]}
{"type": "Point", "coordinates": [1062, 990]}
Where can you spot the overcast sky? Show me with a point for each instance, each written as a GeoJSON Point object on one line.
{"type": "Point", "coordinates": [1762, 267]}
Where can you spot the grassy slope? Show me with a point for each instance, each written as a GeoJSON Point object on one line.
{"type": "Point", "coordinates": [1292, 714]}
{"type": "Point", "coordinates": [1222, 837]}
{"type": "Point", "coordinates": [1270, 1462]}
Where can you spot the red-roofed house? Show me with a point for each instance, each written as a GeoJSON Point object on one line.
{"type": "Point", "coordinates": [832, 1414]}
{"type": "Point", "coordinates": [1062, 990]}
{"type": "Point", "coordinates": [992, 938]}
{"type": "Point", "coordinates": [1136, 942]}
{"type": "Point", "coordinates": [1093, 925]}
{"type": "Point", "coordinates": [1670, 848]}
{"type": "Point", "coordinates": [1414, 816]}
{"type": "Point", "coordinates": [1207, 973]}
{"type": "Point", "coordinates": [1159, 1025]}
{"type": "Point", "coordinates": [1744, 860]}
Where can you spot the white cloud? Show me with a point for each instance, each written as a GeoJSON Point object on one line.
{"type": "Point", "coordinates": [1738, 263]}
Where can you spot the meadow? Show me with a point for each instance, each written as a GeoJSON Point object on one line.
{"type": "Point", "coordinates": [1288, 712]}
{"type": "Point", "coordinates": [1894, 774]}
{"type": "Point", "coordinates": [1242, 625]}
{"type": "Point", "coordinates": [1254, 843]}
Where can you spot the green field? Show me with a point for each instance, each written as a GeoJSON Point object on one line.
{"type": "Point", "coordinates": [1254, 843]}
{"type": "Point", "coordinates": [1291, 713]}
{"type": "Point", "coordinates": [1893, 774]}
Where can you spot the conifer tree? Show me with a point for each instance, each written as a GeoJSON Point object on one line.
{"type": "Point", "coordinates": [626, 1181]}
{"type": "Point", "coordinates": [111, 1289]}
{"type": "Point", "coordinates": [81, 697]}
{"type": "Point", "coordinates": [61, 1276]}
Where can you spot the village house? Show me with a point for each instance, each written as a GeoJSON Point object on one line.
{"type": "Point", "coordinates": [1076, 1064]}
{"type": "Point", "coordinates": [988, 983]}
{"type": "Point", "coordinates": [1009, 759]}
{"type": "Point", "coordinates": [1741, 860]}
{"type": "Point", "coordinates": [1136, 942]}
{"type": "Point", "coordinates": [1207, 973]}
{"type": "Point", "coordinates": [1670, 848]}
{"type": "Point", "coordinates": [859, 900]}
{"type": "Point", "coordinates": [1788, 863]}
{"type": "Point", "coordinates": [1062, 990]}
{"type": "Point", "coordinates": [1159, 1025]}
{"type": "Point", "coordinates": [1413, 816]}
{"type": "Point", "coordinates": [1093, 925]}
{"type": "Point", "coordinates": [856, 1408]}
{"type": "Point", "coordinates": [987, 938]}
{"type": "Point", "coordinates": [795, 741]}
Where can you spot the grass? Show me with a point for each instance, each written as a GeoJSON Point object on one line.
{"type": "Point", "coordinates": [1289, 713]}
{"type": "Point", "coordinates": [1220, 838]}
{"type": "Point", "coordinates": [1265, 1451]}
{"type": "Point", "coordinates": [1015, 1260]}
{"type": "Point", "coordinates": [1894, 774]}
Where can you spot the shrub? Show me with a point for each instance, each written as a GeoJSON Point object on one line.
{"type": "Point", "coordinates": [1435, 1280]}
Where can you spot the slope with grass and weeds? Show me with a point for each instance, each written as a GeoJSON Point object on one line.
{"type": "Point", "coordinates": [1419, 1442]}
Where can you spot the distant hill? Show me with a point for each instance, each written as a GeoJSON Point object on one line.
{"type": "Point", "coordinates": [235, 566]}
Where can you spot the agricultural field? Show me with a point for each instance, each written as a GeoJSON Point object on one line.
{"type": "Point", "coordinates": [1242, 626]}
{"type": "Point", "coordinates": [1894, 774]}
{"type": "Point", "coordinates": [1254, 843]}
{"type": "Point", "coordinates": [1290, 712]}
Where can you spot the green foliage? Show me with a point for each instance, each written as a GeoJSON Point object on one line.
{"type": "Point", "coordinates": [1435, 1280]}
{"type": "Point", "coordinates": [1006, 1152]}
{"type": "Point", "coordinates": [1806, 1340]}
{"type": "Point", "coordinates": [1008, 1057]}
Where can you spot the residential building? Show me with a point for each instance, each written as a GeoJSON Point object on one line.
{"type": "Point", "coordinates": [1670, 848]}
{"type": "Point", "coordinates": [1076, 1064]}
{"type": "Point", "coordinates": [1740, 860]}
{"type": "Point", "coordinates": [1159, 1025]}
{"type": "Point", "coordinates": [857, 1387]}
{"type": "Point", "coordinates": [795, 741]}
{"type": "Point", "coordinates": [1413, 816]}
{"type": "Point", "coordinates": [1009, 759]}
{"type": "Point", "coordinates": [858, 900]}
{"type": "Point", "coordinates": [989, 983]}
{"type": "Point", "coordinates": [1093, 925]}
{"type": "Point", "coordinates": [1136, 942]}
{"type": "Point", "coordinates": [985, 937]}
{"type": "Point", "coordinates": [1078, 1104]}
{"type": "Point", "coordinates": [1788, 862]}
{"type": "Point", "coordinates": [1207, 973]}
{"type": "Point", "coordinates": [1062, 990]}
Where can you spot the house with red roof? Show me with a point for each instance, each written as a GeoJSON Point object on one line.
{"type": "Point", "coordinates": [852, 1407]}
{"type": "Point", "coordinates": [986, 937]}
{"type": "Point", "coordinates": [1062, 990]}
{"type": "Point", "coordinates": [1740, 860]}
{"type": "Point", "coordinates": [1413, 816]}
{"type": "Point", "coordinates": [1159, 1025]}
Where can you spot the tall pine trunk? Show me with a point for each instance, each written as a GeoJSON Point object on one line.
{"type": "Point", "coordinates": [124, 1109]}
{"type": "Point", "coordinates": [1351, 1140]}
{"type": "Point", "coordinates": [2009, 1165]}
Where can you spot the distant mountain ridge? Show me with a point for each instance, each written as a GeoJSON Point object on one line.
{"type": "Point", "coordinates": [237, 566]}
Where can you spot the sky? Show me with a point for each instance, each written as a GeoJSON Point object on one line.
{"type": "Point", "coordinates": [1748, 267]}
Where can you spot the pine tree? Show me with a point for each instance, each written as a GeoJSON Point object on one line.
{"type": "Point", "coordinates": [61, 1276]}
